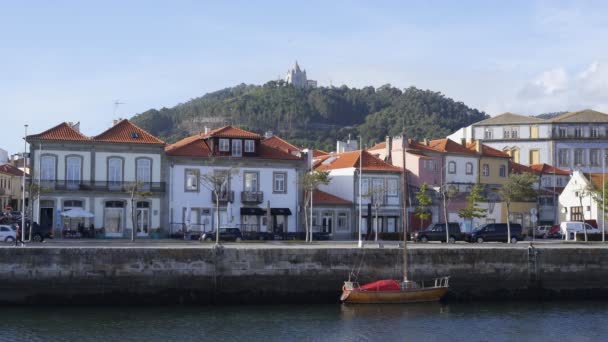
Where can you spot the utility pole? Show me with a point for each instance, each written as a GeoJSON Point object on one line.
{"type": "Point", "coordinates": [23, 188]}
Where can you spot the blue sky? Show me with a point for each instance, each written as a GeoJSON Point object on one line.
{"type": "Point", "coordinates": [70, 60]}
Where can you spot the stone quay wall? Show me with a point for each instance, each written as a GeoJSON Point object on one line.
{"type": "Point", "coordinates": [229, 275]}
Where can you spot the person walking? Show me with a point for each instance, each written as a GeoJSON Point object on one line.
{"type": "Point", "coordinates": [18, 236]}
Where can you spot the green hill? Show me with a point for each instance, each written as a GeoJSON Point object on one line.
{"type": "Point", "coordinates": [314, 117]}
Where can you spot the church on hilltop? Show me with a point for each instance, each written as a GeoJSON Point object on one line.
{"type": "Point", "coordinates": [298, 78]}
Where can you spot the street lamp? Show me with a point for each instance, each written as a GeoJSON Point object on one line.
{"type": "Point", "coordinates": [23, 185]}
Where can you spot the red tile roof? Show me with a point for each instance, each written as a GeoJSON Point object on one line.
{"type": "Point", "coordinates": [448, 145]}
{"type": "Point", "coordinates": [520, 168]}
{"type": "Point", "coordinates": [378, 146]}
{"type": "Point", "coordinates": [232, 132]}
{"type": "Point", "coordinates": [11, 170]}
{"type": "Point", "coordinates": [351, 159]}
{"type": "Point", "coordinates": [62, 132]}
{"type": "Point", "coordinates": [126, 132]}
{"type": "Point", "coordinates": [281, 144]}
{"type": "Point", "coordinates": [548, 169]}
{"type": "Point", "coordinates": [487, 151]}
{"type": "Point", "coordinates": [318, 153]}
{"type": "Point", "coordinates": [321, 197]}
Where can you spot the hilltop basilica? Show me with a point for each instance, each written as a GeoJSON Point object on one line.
{"type": "Point", "coordinates": [297, 77]}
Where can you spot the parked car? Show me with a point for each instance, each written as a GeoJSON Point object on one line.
{"type": "Point", "coordinates": [226, 234]}
{"type": "Point", "coordinates": [554, 232]}
{"type": "Point", "coordinates": [39, 233]}
{"type": "Point", "coordinates": [569, 229]}
{"type": "Point", "coordinates": [436, 232]}
{"type": "Point", "coordinates": [541, 231]}
{"type": "Point", "coordinates": [7, 233]}
{"type": "Point", "coordinates": [496, 232]}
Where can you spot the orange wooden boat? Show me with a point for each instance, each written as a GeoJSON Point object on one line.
{"type": "Point", "coordinates": [392, 291]}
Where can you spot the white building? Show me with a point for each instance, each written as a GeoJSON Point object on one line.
{"type": "Point", "coordinates": [380, 187]}
{"type": "Point", "coordinates": [576, 202]}
{"type": "Point", "coordinates": [261, 182]}
{"type": "Point", "coordinates": [576, 140]}
{"type": "Point", "coordinates": [96, 174]}
{"type": "Point", "coordinates": [297, 77]}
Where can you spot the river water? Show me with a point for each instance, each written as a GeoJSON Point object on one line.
{"type": "Point", "coordinates": [520, 321]}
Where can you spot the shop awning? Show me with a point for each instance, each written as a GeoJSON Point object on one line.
{"type": "Point", "coordinates": [253, 211]}
{"type": "Point", "coordinates": [280, 211]}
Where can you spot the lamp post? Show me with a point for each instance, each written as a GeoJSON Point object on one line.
{"type": "Point", "coordinates": [23, 185]}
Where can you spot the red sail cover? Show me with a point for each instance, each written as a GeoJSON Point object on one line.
{"type": "Point", "coordinates": [382, 285]}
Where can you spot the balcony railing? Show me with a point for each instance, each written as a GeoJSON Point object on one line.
{"type": "Point", "coordinates": [252, 196]}
{"type": "Point", "coordinates": [225, 196]}
{"type": "Point", "coordinates": [68, 185]}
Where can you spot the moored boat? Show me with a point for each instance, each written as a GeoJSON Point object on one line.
{"type": "Point", "coordinates": [393, 291]}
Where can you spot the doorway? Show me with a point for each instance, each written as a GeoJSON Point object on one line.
{"type": "Point", "coordinates": [142, 215]}
{"type": "Point", "coordinates": [47, 211]}
{"type": "Point", "coordinates": [114, 216]}
{"type": "Point", "coordinates": [327, 223]}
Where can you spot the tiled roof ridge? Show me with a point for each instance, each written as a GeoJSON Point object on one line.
{"type": "Point", "coordinates": [63, 125]}
{"type": "Point", "coordinates": [245, 133]}
{"type": "Point", "coordinates": [107, 135]}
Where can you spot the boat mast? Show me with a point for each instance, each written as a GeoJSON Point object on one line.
{"type": "Point", "coordinates": [404, 199]}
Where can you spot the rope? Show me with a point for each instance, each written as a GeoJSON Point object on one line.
{"type": "Point", "coordinates": [356, 275]}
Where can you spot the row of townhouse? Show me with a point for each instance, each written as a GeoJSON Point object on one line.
{"type": "Point", "coordinates": [10, 188]}
{"type": "Point", "coordinates": [576, 140]}
{"type": "Point", "coordinates": [126, 172]}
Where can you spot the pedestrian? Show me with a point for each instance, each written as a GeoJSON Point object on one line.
{"type": "Point", "coordinates": [18, 238]}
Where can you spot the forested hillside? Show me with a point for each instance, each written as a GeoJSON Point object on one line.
{"type": "Point", "coordinates": [314, 117]}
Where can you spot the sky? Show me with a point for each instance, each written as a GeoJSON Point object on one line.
{"type": "Point", "coordinates": [71, 60]}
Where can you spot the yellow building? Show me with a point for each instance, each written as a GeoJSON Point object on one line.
{"type": "Point", "coordinates": [10, 187]}
{"type": "Point", "coordinates": [493, 164]}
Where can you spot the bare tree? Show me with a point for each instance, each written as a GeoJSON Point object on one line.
{"type": "Point", "coordinates": [218, 182]}
{"type": "Point", "coordinates": [310, 183]}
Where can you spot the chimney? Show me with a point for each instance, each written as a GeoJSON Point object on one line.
{"type": "Point", "coordinates": [478, 146]}
{"type": "Point", "coordinates": [268, 134]}
{"type": "Point", "coordinates": [463, 142]}
{"type": "Point", "coordinates": [426, 141]}
{"type": "Point", "coordinates": [206, 130]}
{"type": "Point", "coordinates": [388, 147]}
{"type": "Point", "coordinates": [76, 126]}
{"type": "Point", "coordinates": [115, 121]}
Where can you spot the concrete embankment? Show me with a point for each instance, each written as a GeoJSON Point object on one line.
{"type": "Point", "coordinates": [289, 275]}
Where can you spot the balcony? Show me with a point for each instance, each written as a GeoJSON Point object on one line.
{"type": "Point", "coordinates": [101, 186]}
{"type": "Point", "coordinates": [224, 197]}
{"type": "Point", "coordinates": [252, 197]}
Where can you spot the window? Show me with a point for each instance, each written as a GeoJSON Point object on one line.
{"type": "Point", "coordinates": [249, 146]}
{"type": "Point", "coordinates": [563, 157]}
{"type": "Point", "coordinates": [115, 170]}
{"type": "Point", "coordinates": [506, 133]}
{"type": "Point", "coordinates": [502, 171]}
{"type": "Point", "coordinates": [392, 188]}
{"type": "Point", "coordinates": [594, 157]}
{"type": "Point", "coordinates": [73, 169]}
{"type": "Point", "coordinates": [342, 220]}
{"type": "Point", "coordinates": [595, 132]}
{"type": "Point", "coordinates": [469, 168]}
{"type": "Point", "coordinates": [279, 182]}
{"type": "Point", "coordinates": [224, 145]}
{"type": "Point", "coordinates": [545, 201]}
{"type": "Point", "coordinates": [579, 156]}
{"type": "Point", "coordinates": [237, 147]}
{"type": "Point", "coordinates": [514, 132]}
{"type": "Point", "coordinates": [365, 187]}
{"type": "Point", "coordinates": [578, 132]}
{"type": "Point", "coordinates": [251, 181]}
{"type": "Point", "coordinates": [47, 168]}
{"type": "Point", "coordinates": [560, 181]}
{"type": "Point", "coordinates": [576, 213]}
{"type": "Point", "coordinates": [72, 204]}
{"type": "Point", "coordinates": [487, 133]}
{"type": "Point", "coordinates": [534, 132]}
{"type": "Point", "coordinates": [546, 181]}
{"type": "Point", "coordinates": [452, 167]}
{"type": "Point", "coordinates": [191, 180]}
{"type": "Point", "coordinates": [378, 190]}
{"type": "Point", "coordinates": [485, 170]}
{"type": "Point", "coordinates": [562, 132]}
{"type": "Point", "coordinates": [144, 170]}
{"type": "Point", "coordinates": [516, 155]}
{"type": "Point", "coordinates": [534, 157]}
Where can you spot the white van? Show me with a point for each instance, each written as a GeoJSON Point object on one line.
{"type": "Point", "coordinates": [569, 229]}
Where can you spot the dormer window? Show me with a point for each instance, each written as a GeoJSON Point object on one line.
{"type": "Point", "coordinates": [224, 145]}
{"type": "Point", "coordinates": [249, 146]}
{"type": "Point", "coordinates": [134, 135]}
{"type": "Point", "coordinates": [237, 147]}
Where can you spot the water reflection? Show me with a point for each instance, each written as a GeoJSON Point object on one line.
{"type": "Point", "coordinates": [417, 310]}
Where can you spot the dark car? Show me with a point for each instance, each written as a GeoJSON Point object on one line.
{"type": "Point", "coordinates": [436, 232]}
{"type": "Point", "coordinates": [226, 234]}
{"type": "Point", "coordinates": [496, 232]}
{"type": "Point", "coordinates": [39, 233]}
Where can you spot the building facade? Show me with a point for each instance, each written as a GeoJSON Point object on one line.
{"type": "Point", "coordinates": [10, 188]}
{"type": "Point", "coordinates": [116, 177]}
{"type": "Point", "coordinates": [256, 181]}
{"type": "Point", "coordinates": [577, 202]}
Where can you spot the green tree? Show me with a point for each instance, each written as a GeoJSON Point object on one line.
{"type": "Point", "coordinates": [424, 200]}
{"type": "Point", "coordinates": [310, 183]}
{"type": "Point", "coordinates": [518, 187]}
{"type": "Point", "coordinates": [473, 210]}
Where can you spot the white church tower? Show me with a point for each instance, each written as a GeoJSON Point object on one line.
{"type": "Point", "coordinates": [297, 77]}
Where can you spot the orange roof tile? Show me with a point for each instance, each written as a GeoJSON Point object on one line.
{"type": "Point", "coordinates": [318, 153]}
{"type": "Point", "coordinates": [127, 132]}
{"type": "Point", "coordinates": [520, 168]}
{"type": "Point", "coordinates": [378, 146]}
{"type": "Point", "coordinates": [351, 159]}
{"type": "Point", "coordinates": [232, 132]}
{"type": "Point", "coordinates": [487, 151]}
{"type": "Point", "coordinates": [321, 197]}
{"type": "Point", "coordinates": [63, 132]}
{"type": "Point", "coordinates": [11, 170]}
{"type": "Point", "coordinates": [281, 144]}
{"type": "Point", "coordinates": [596, 179]}
{"type": "Point", "coordinates": [448, 145]}
{"type": "Point", "coordinates": [548, 169]}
